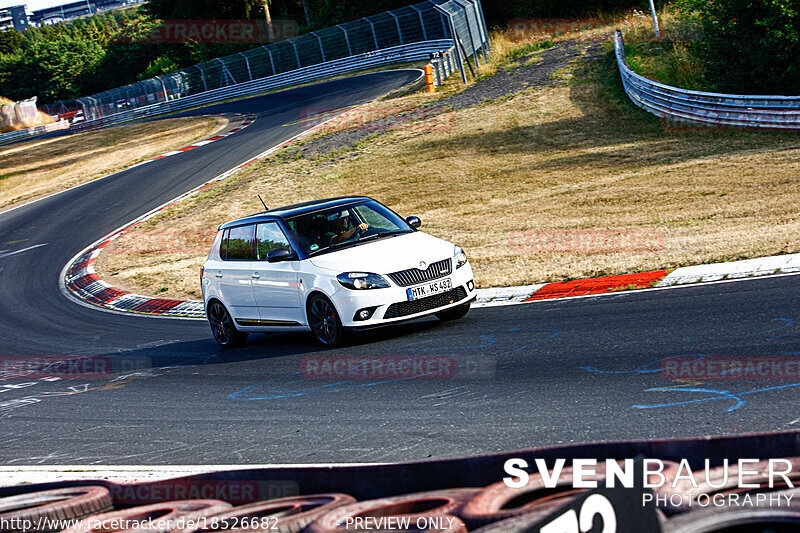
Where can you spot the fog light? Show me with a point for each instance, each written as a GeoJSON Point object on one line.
{"type": "Point", "coordinates": [470, 285]}
{"type": "Point", "coordinates": [364, 314]}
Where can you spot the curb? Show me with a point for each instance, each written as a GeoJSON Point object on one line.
{"type": "Point", "coordinates": [93, 290]}
{"type": "Point", "coordinates": [248, 119]}
{"type": "Point", "coordinates": [658, 279]}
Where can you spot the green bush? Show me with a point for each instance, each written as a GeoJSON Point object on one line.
{"type": "Point", "coordinates": [750, 46]}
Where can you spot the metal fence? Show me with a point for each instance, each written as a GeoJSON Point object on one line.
{"type": "Point", "coordinates": [413, 52]}
{"type": "Point", "coordinates": [432, 26]}
{"type": "Point", "coordinates": [673, 103]}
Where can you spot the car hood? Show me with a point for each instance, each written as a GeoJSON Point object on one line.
{"type": "Point", "coordinates": [386, 255]}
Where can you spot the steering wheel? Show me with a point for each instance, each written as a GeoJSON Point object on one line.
{"type": "Point", "coordinates": [366, 233]}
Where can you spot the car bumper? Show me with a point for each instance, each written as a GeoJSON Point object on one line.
{"type": "Point", "coordinates": [391, 305]}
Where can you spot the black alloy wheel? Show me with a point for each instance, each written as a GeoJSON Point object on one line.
{"type": "Point", "coordinates": [223, 328]}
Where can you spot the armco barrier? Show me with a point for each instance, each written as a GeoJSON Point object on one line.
{"type": "Point", "coordinates": [752, 111]}
{"type": "Point", "coordinates": [398, 54]}
{"type": "Point", "coordinates": [18, 135]}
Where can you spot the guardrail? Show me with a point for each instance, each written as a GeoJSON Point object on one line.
{"type": "Point", "coordinates": [31, 132]}
{"type": "Point", "coordinates": [397, 54]}
{"type": "Point", "coordinates": [673, 103]}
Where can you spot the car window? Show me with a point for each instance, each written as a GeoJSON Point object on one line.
{"type": "Point", "coordinates": [223, 245]}
{"type": "Point", "coordinates": [320, 231]}
{"type": "Point", "coordinates": [374, 218]}
{"type": "Point", "coordinates": [241, 244]}
{"type": "Point", "coordinates": [269, 236]}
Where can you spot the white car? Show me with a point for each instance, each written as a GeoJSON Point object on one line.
{"type": "Point", "coordinates": [329, 266]}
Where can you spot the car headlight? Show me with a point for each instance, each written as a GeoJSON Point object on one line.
{"type": "Point", "coordinates": [459, 257]}
{"type": "Point", "coordinates": [362, 280]}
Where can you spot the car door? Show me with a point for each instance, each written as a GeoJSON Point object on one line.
{"type": "Point", "coordinates": [275, 285]}
{"type": "Point", "coordinates": [235, 275]}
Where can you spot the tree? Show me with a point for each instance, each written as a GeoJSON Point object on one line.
{"type": "Point", "coordinates": [10, 41]}
{"type": "Point", "coordinates": [204, 9]}
{"type": "Point", "coordinates": [63, 67]}
{"type": "Point", "coordinates": [750, 46]}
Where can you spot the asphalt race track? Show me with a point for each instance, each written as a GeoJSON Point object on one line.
{"type": "Point", "coordinates": [521, 376]}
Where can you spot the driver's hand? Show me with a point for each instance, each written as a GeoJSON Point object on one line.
{"type": "Point", "coordinates": [363, 226]}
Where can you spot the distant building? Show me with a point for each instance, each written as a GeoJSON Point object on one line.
{"type": "Point", "coordinates": [14, 17]}
{"type": "Point", "coordinates": [54, 15]}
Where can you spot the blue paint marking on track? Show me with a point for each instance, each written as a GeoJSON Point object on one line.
{"type": "Point", "coordinates": [720, 395]}
{"type": "Point", "coordinates": [778, 328]}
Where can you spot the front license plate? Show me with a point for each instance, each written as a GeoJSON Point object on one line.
{"type": "Point", "coordinates": [429, 289]}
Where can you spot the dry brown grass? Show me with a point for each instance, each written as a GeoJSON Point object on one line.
{"type": "Point", "coordinates": [37, 168]}
{"type": "Point", "coordinates": [574, 157]}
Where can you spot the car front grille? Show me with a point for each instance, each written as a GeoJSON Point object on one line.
{"type": "Point", "coordinates": [412, 276]}
{"type": "Point", "coordinates": [413, 307]}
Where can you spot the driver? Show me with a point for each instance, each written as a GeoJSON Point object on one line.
{"type": "Point", "coordinates": [342, 233]}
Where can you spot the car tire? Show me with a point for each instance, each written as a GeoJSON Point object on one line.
{"type": "Point", "coordinates": [454, 313]}
{"type": "Point", "coordinates": [222, 326]}
{"type": "Point", "coordinates": [281, 515]}
{"type": "Point", "coordinates": [53, 505]}
{"type": "Point", "coordinates": [164, 516]}
{"type": "Point", "coordinates": [323, 319]}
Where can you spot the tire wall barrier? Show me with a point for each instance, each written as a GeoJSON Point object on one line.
{"type": "Point", "coordinates": [429, 493]}
{"type": "Point", "coordinates": [681, 105]}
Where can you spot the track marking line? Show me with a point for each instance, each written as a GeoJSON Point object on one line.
{"type": "Point", "coordinates": [6, 253]}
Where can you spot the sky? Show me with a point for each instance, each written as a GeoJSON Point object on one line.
{"type": "Point", "coordinates": [33, 5]}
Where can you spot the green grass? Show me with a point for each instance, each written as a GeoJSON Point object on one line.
{"type": "Point", "coordinates": [669, 62]}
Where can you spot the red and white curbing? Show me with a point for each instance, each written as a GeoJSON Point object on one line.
{"type": "Point", "coordinates": [246, 121]}
{"type": "Point", "coordinates": [747, 268]}
{"type": "Point", "coordinates": [93, 290]}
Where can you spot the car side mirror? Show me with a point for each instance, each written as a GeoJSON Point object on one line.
{"type": "Point", "coordinates": [414, 222]}
{"type": "Point", "coordinates": [280, 254]}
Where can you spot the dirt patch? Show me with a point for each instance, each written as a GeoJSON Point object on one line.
{"type": "Point", "coordinates": [522, 74]}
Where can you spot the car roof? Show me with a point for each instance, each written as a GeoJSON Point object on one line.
{"type": "Point", "coordinates": [296, 209]}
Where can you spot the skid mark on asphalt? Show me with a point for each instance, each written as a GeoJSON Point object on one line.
{"type": "Point", "coordinates": [647, 368]}
{"type": "Point", "coordinates": [295, 384]}
{"type": "Point", "coordinates": [742, 330]}
{"type": "Point", "coordinates": [8, 406]}
{"type": "Point", "coordinates": [462, 396]}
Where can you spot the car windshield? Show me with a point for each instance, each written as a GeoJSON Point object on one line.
{"type": "Point", "coordinates": [324, 231]}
